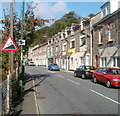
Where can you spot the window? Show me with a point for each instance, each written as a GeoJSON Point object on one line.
{"type": "Point", "coordinates": [108, 9]}
{"type": "Point", "coordinates": [104, 12]}
{"type": "Point", "coordinates": [99, 70]}
{"type": "Point", "coordinates": [104, 71]}
{"type": "Point", "coordinates": [116, 61]}
{"type": "Point", "coordinates": [105, 9]}
{"type": "Point", "coordinates": [56, 48]}
{"type": "Point", "coordinates": [111, 33]}
{"type": "Point", "coordinates": [71, 60]}
{"type": "Point", "coordinates": [114, 71]}
{"type": "Point", "coordinates": [100, 36]}
{"type": "Point", "coordinates": [72, 44]}
{"type": "Point", "coordinates": [63, 61]}
{"type": "Point", "coordinates": [103, 62]}
{"type": "Point", "coordinates": [64, 47]}
{"type": "Point", "coordinates": [83, 41]}
{"type": "Point", "coordinates": [81, 61]}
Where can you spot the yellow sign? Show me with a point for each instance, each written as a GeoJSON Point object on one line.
{"type": "Point", "coordinates": [70, 50]}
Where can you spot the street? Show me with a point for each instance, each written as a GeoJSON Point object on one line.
{"type": "Point", "coordinates": [59, 92]}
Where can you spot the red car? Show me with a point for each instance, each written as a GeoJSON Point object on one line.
{"type": "Point", "coordinates": [108, 75]}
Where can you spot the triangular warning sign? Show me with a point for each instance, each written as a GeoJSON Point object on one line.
{"type": "Point", "coordinates": [9, 45]}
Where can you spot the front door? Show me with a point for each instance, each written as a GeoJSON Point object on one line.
{"type": "Point", "coordinates": [97, 61]}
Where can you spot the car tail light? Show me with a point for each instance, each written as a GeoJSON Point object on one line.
{"type": "Point", "coordinates": [86, 70]}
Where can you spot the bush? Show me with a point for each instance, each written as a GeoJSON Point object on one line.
{"type": "Point", "coordinates": [15, 92]}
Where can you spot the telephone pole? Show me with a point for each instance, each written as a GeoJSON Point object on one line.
{"type": "Point", "coordinates": [11, 64]}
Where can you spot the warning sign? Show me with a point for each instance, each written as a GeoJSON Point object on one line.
{"type": "Point", "coordinates": [9, 45]}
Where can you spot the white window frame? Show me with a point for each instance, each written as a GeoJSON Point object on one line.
{"type": "Point", "coordinates": [110, 32]}
{"type": "Point", "coordinates": [104, 12]}
{"type": "Point", "coordinates": [115, 61]}
{"type": "Point", "coordinates": [100, 35]}
{"type": "Point", "coordinates": [103, 62]}
{"type": "Point", "coordinates": [64, 48]}
{"type": "Point", "coordinates": [72, 61]}
{"type": "Point", "coordinates": [57, 49]}
{"type": "Point", "coordinates": [81, 60]}
{"type": "Point", "coordinates": [71, 43]}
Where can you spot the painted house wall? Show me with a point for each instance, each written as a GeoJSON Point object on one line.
{"type": "Point", "coordinates": [40, 55]}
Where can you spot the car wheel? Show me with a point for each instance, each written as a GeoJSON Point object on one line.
{"type": "Point", "coordinates": [94, 80]}
{"type": "Point", "coordinates": [75, 74]}
{"type": "Point", "coordinates": [83, 76]}
{"type": "Point", "coordinates": [108, 84]}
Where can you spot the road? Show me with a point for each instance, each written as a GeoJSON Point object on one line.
{"type": "Point", "coordinates": [60, 92]}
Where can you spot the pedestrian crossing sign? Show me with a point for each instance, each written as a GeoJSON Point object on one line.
{"type": "Point", "coordinates": [9, 45]}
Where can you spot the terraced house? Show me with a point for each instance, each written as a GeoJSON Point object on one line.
{"type": "Point", "coordinates": [39, 55]}
{"type": "Point", "coordinates": [94, 41]}
{"type": "Point", "coordinates": [107, 36]}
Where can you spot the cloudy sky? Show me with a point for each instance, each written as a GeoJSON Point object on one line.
{"type": "Point", "coordinates": [55, 10]}
{"type": "Point", "coordinates": [47, 10]}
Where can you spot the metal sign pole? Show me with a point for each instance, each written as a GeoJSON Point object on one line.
{"type": "Point", "coordinates": [21, 50]}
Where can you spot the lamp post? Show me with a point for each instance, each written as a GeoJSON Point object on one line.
{"type": "Point", "coordinates": [21, 50]}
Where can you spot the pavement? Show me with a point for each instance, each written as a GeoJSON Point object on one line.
{"type": "Point", "coordinates": [29, 104]}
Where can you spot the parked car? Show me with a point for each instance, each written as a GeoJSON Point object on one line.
{"type": "Point", "coordinates": [84, 71]}
{"type": "Point", "coordinates": [31, 63]}
{"type": "Point", "coordinates": [108, 75]}
{"type": "Point", "coordinates": [53, 66]}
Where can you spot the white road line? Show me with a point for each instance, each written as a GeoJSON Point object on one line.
{"type": "Point", "coordinates": [37, 106]}
{"type": "Point", "coordinates": [61, 76]}
{"type": "Point", "coordinates": [51, 71]}
{"type": "Point", "coordinates": [105, 96]}
{"type": "Point", "coordinates": [73, 81]}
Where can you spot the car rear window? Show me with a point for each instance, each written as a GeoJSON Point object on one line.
{"type": "Point", "coordinates": [52, 64]}
{"type": "Point", "coordinates": [90, 67]}
{"type": "Point", "coordinates": [114, 71]}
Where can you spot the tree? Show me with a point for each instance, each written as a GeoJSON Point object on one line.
{"type": "Point", "coordinates": [30, 24]}
{"type": "Point", "coordinates": [56, 27]}
{"type": "Point", "coordinates": [91, 15]}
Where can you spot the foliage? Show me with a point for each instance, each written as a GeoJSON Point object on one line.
{"type": "Point", "coordinates": [56, 27]}
{"type": "Point", "coordinates": [30, 23]}
{"type": "Point", "coordinates": [91, 15]}
{"type": "Point", "coordinates": [30, 34]}
{"type": "Point", "coordinates": [15, 93]}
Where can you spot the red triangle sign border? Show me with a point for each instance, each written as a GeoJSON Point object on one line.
{"type": "Point", "coordinates": [14, 45]}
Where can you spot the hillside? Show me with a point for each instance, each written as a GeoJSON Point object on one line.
{"type": "Point", "coordinates": [57, 26]}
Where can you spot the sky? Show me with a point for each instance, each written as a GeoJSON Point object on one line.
{"type": "Point", "coordinates": [56, 10]}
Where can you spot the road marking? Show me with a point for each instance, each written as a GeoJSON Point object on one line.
{"type": "Point", "coordinates": [36, 103]}
{"type": "Point", "coordinates": [73, 81]}
{"type": "Point", "coordinates": [105, 96]}
{"type": "Point", "coordinates": [51, 71]}
{"type": "Point", "coordinates": [61, 76]}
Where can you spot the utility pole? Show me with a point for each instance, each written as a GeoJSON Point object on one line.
{"type": "Point", "coordinates": [11, 64]}
{"type": "Point", "coordinates": [10, 61]}
{"type": "Point", "coordinates": [21, 49]}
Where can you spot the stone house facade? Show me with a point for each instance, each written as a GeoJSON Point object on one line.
{"type": "Point", "coordinates": [106, 39]}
